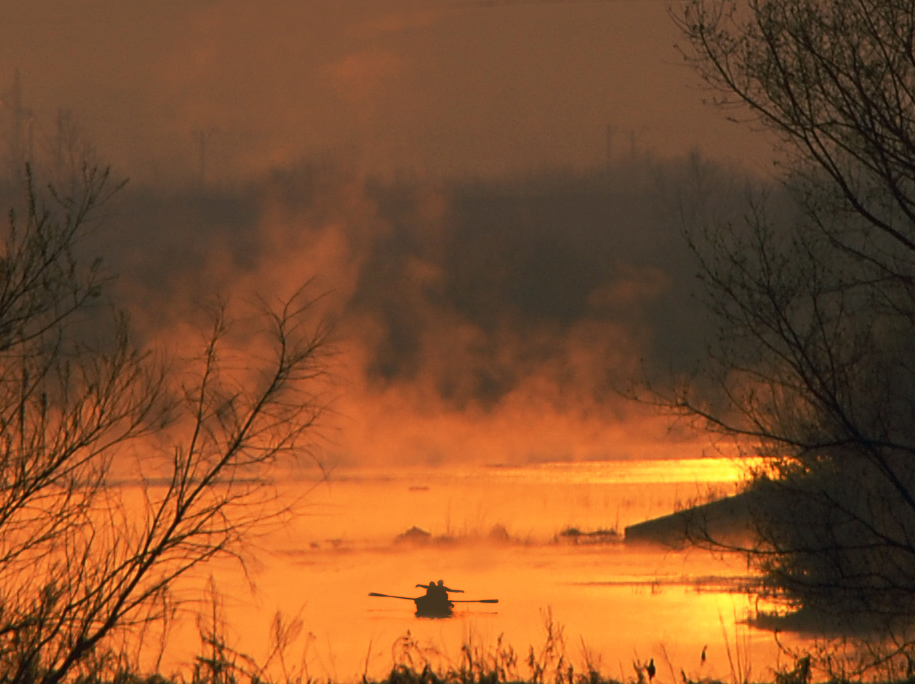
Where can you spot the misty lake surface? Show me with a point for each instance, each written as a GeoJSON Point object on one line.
{"type": "Point", "coordinates": [495, 532]}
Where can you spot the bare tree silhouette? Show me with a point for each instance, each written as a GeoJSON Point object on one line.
{"type": "Point", "coordinates": [82, 559]}
{"type": "Point", "coordinates": [814, 364]}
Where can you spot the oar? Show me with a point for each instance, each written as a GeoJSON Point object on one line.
{"type": "Point", "coordinates": [407, 598]}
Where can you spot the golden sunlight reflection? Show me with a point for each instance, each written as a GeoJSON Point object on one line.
{"type": "Point", "coordinates": [502, 533]}
{"type": "Point", "coordinates": [530, 503]}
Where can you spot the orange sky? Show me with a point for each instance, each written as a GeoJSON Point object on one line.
{"type": "Point", "coordinates": [481, 319]}
{"type": "Point", "coordinates": [436, 86]}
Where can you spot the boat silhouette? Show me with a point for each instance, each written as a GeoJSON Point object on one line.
{"type": "Point", "coordinates": [433, 606]}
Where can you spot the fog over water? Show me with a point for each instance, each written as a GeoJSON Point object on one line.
{"type": "Point", "coordinates": [478, 321]}
{"type": "Point", "coordinates": [487, 200]}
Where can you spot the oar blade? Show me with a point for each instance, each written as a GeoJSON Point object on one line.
{"type": "Point", "coordinates": [405, 598]}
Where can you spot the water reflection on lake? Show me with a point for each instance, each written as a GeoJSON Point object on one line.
{"type": "Point", "coordinates": [494, 532]}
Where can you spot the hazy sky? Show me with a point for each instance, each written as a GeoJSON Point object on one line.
{"type": "Point", "coordinates": [442, 167]}
{"type": "Point", "coordinates": [430, 85]}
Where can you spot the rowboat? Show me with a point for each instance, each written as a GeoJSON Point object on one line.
{"type": "Point", "coordinates": [432, 606]}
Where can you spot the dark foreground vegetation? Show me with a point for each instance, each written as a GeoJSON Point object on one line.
{"type": "Point", "coordinates": [553, 662]}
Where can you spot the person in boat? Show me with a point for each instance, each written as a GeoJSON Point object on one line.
{"type": "Point", "coordinates": [442, 590]}
{"type": "Point", "coordinates": [438, 592]}
{"type": "Point", "coordinates": [435, 602]}
{"type": "Point", "coordinates": [430, 590]}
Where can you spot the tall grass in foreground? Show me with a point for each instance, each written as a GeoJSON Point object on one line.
{"type": "Point", "coordinates": [220, 662]}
